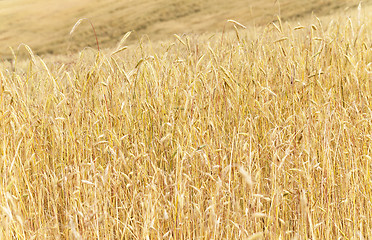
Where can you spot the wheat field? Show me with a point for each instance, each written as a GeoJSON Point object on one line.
{"type": "Point", "coordinates": [255, 133]}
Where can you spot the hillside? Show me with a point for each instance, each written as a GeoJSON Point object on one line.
{"type": "Point", "coordinates": [45, 25]}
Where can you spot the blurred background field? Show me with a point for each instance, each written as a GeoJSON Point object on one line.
{"type": "Point", "coordinates": [45, 25]}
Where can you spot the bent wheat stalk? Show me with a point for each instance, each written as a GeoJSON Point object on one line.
{"type": "Point", "coordinates": [91, 24]}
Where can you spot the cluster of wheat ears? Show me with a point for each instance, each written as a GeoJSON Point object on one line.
{"type": "Point", "coordinates": [258, 133]}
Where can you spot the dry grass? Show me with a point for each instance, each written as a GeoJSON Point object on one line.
{"type": "Point", "coordinates": [255, 134]}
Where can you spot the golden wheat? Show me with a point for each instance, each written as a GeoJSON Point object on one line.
{"type": "Point", "coordinates": [256, 134]}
